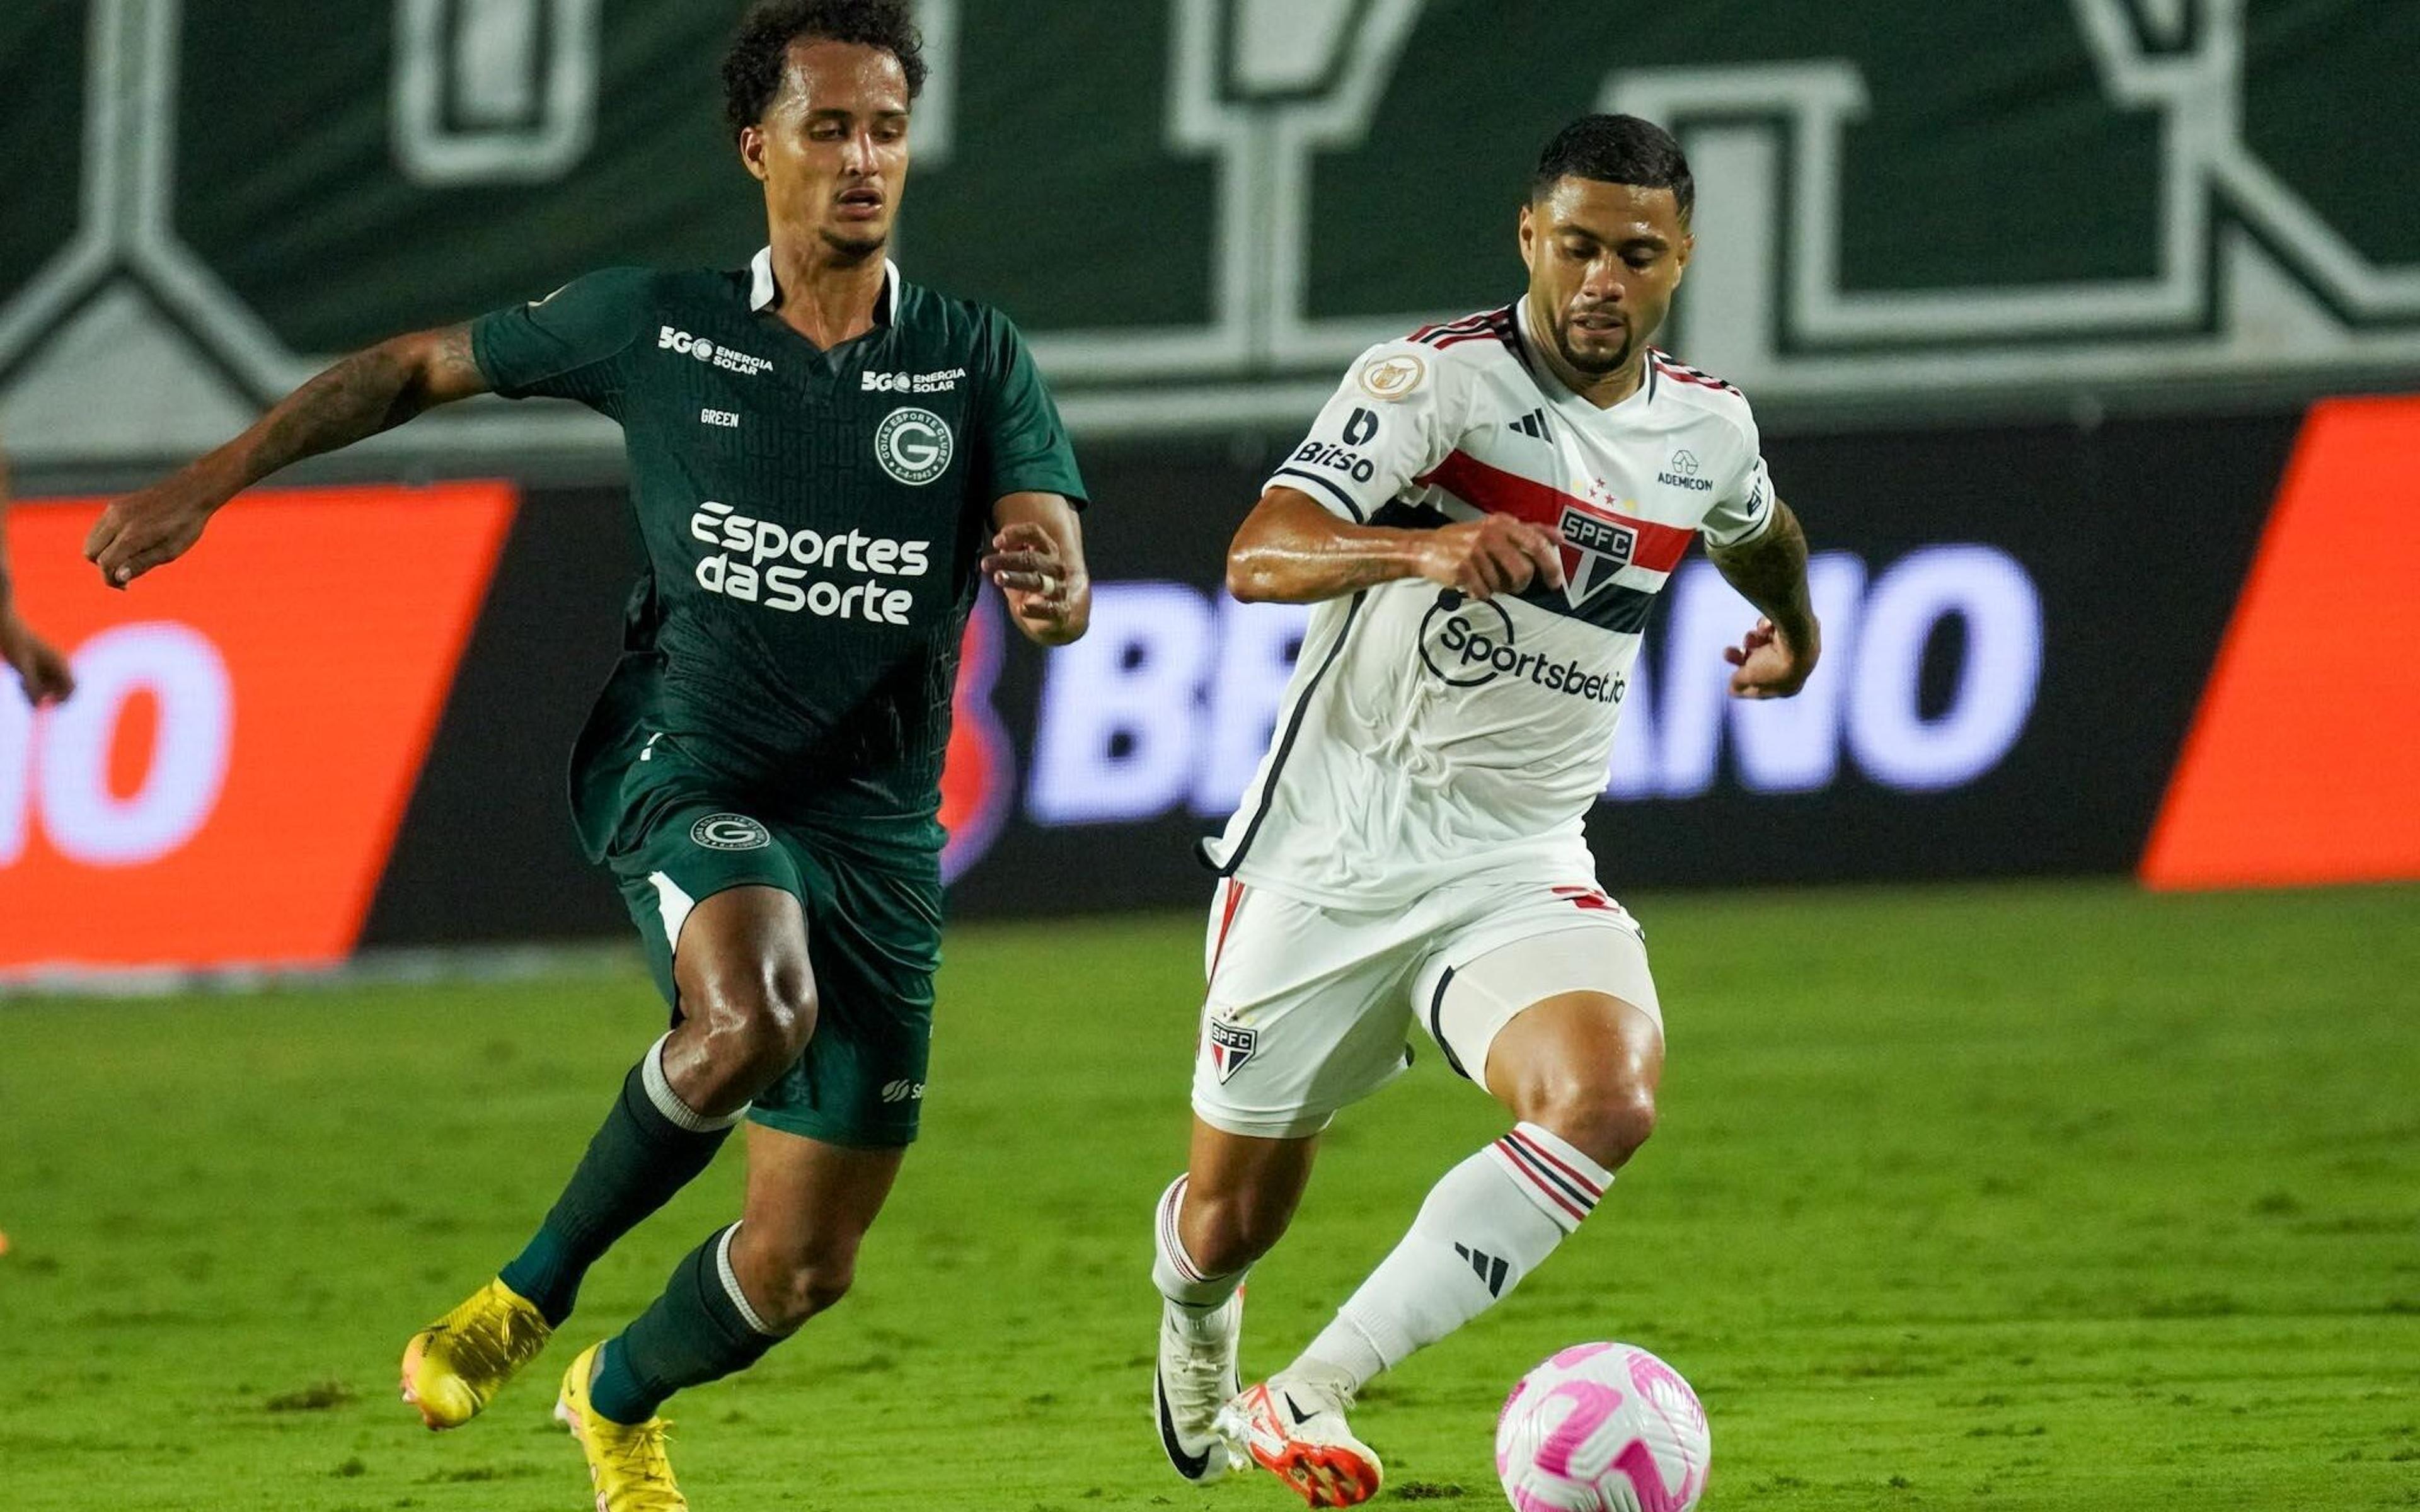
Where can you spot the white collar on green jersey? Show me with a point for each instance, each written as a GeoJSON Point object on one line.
{"type": "Point", "coordinates": [761, 289]}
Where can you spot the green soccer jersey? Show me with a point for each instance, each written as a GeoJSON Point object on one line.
{"type": "Point", "coordinates": [813, 522]}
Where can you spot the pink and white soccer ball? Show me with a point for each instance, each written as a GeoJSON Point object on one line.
{"type": "Point", "coordinates": [1602, 1428]}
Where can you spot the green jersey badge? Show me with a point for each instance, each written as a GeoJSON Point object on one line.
{"type": "Point", "coordinates": [913, 445]}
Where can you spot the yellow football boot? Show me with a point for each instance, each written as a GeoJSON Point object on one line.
{"type": "Point", "coordinates": [456, 1366]}
{"type": "Point", "coordinates": [626, 1462]}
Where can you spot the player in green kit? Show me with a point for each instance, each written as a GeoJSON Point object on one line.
{"type": "Point", "coordinates": [823, 459]}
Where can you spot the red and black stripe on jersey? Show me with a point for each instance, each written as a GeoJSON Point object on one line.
{"type": "Point", "coordinates": [1616, 607]}
{"type": "Point", "coordinates": [1487, 325]}
{"type": "Point", "coordinates": [1683, 373]}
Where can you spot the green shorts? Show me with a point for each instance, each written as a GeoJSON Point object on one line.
{"type": "Point", "coordinates": [873, 941]}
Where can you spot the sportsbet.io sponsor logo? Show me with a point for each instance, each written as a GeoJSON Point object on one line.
{"type": "Point", "coordinates": [763, 562]}
{"type": "Point", "coordinates": [668, 339]}
{"type": "Point", "coordinates": [1466, 642]}
{"type": "Point", "coordinates": [729, 832]}
{"type": "Point", "coordinates": [913, 445]}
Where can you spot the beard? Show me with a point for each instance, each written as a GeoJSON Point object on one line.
{"type": "Point", "coordinates": [856, 247]}
{"type": "Point", "coordinates": [1592, 365]}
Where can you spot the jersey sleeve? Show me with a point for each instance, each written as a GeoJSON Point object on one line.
{"type": "Point", "coordinates": [1024, 443]}
{"type": "Point", "coordinates": [1394, 418]}
{"type": "Point", "coordinates": [569, 345]}
{"type": "Point", "coordinates": [1743, 502]}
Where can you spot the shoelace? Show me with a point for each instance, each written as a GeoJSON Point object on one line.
{"type": "Point", "coordinates": [483, 1352]}
{"type": "Point", "coordinates": [1199, 1370]}
{"type": "Point", "coordinates": [638, 1453]}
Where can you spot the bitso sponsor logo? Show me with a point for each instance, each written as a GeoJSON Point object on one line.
{"type": "Point", "coordinates": [941, 383]}
{"type": "Point", "coordinates": [763, 561]}
{"type": "Point", "coordinates": [913, 445]}
{"type": "Point", "coordinates": [1467, 643]}
{"type": "Point", "coordinates": [729, 832]}
{"type": "Point", "coordinates": [669, 339]}
{"type": "Point", "coordinates": [903, 1090]}
{"type": "Point", "coordinates": [1392, 378]}
{"type": "Point", "coordinates": [1682, 473]}
{"type": "Point", "coordinates": [1336, 459]}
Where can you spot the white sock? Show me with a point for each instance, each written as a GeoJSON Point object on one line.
{"type": "Point", "coordinates": [1194, 1298]}
{"type": "Point", "coordinates": [1493, 1220]}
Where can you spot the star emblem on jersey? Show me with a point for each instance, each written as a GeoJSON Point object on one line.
{"type": "Point", "coordinates": [913, 445]}
{"type": "Point", "coordinates": [1228, 1045]}
{"type": "Point", "coordinates": [1594, 548]}
{"type": "Point", "coordinates": [729, 832]}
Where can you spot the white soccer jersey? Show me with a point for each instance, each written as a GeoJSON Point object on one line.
{"type": "Point", "coordinates": [1426, 739]}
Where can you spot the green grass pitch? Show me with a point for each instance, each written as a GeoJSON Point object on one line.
{"type": "Point", "coordinates": [2007, 1197]}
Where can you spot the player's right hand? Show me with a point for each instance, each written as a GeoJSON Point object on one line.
{"type": "Point", "coordinates": [152, 527]}
{"type": "Point", "coordinates": [1499, 554]}
{"type": "Point", "coordinates": [36, 660]}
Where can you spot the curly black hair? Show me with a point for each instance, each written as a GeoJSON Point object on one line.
{"type": "Point", "coordinates": [1616, 150]}
{"type": "Point", "coordinates": [751, 71]}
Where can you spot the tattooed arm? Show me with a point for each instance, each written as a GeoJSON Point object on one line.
{"type": "Point", "coordinates": [371, 391]}
{"type": "Point", "coordinates": [1770, 572]}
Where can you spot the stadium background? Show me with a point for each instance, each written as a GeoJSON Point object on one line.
{"type": "Point", "coordinates": [2031, 1171]}
{"type": "Point", "coordinates": [2035, 311]}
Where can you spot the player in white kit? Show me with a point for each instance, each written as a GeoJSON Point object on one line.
{"type": "Point", "coordinates": [1483, 515]}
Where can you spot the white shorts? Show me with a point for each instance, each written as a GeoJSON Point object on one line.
{"type": "Point", "coordinates": [1310, 1007]}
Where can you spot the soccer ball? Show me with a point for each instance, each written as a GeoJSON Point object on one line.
{"type": "Point", "coordinates": [1602, 1428]}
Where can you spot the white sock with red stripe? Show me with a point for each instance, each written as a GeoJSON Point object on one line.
{"type": "Point", "coordinates": [1194, 1299]}
{"type": "Point", "coordinates": [1493, 1220]}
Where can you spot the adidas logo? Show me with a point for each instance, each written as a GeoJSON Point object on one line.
{"type": "Point", "coordinates": [1489, 1269]}
{"type": "Point", "coordinates": [1532, 425]}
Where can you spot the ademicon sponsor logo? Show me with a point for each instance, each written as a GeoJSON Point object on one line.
{"type": "Point", "coordinates": [763, 561]}
{"type": "Point", "coordinates": [1169, 701]}
{"type": "Point", "coordinates": [57, 775]}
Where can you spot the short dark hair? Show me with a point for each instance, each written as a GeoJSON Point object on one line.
{"type": "Point", "coordinates": [751, 71]}
{"type": "Point", "coordinates": [1616, 150]}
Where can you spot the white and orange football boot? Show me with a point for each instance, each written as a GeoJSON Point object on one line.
{"type": "Point", "coordinates": [1295, 1430]}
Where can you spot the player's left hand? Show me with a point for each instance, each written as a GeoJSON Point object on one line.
{"type": "Point", "coordinates": [36, 660]}
{"type": "Point", "coordinates": [1025, 565]}
{"type": "Point", "coordinates": [1766, 665]}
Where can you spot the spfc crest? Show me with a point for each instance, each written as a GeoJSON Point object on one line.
{"type": "Point", "coordinates": [1230, 1046]}
{"type": "Point", "coordinates": [1594, 548]}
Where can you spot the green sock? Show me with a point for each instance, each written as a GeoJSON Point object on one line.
{"type": "Point", "coordinates": [701, 1329]}
{"type": "Point", "coordinates": [649, 1147]}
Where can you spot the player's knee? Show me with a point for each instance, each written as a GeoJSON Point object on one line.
{"type": "Point", "coordinates": [756, 1025]}
{"type": "Point", "coordinates": [1605, 1118]}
